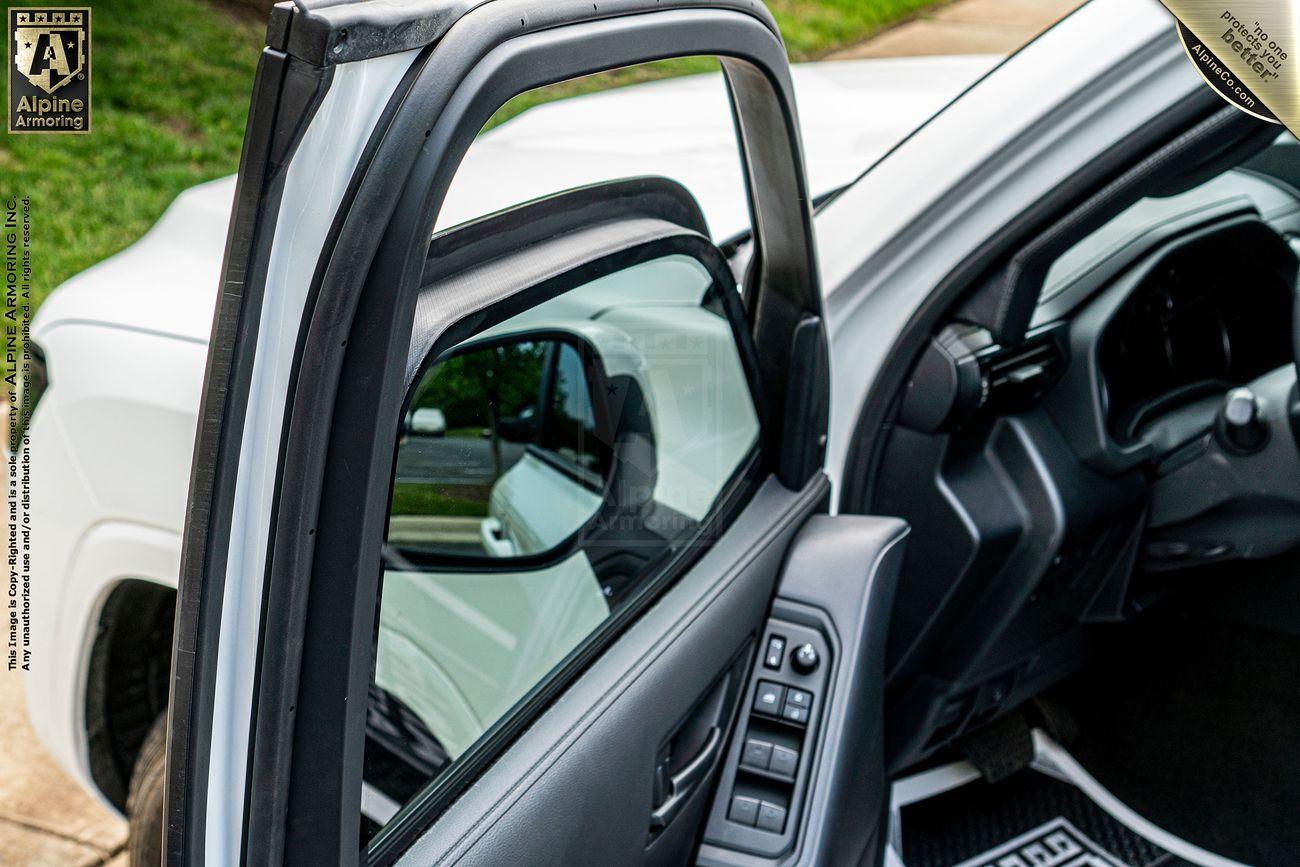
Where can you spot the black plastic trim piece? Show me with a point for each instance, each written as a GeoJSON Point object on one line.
{"type": "Point", "coordinates": [469, 244]}
{"type": "Point", "coordinates": [803, 439]}
{"type": "Point", "coordinates": [329, 32]}
{"type": "Point", "coordinates": [838, 582]}
{"type": "Point", "coordinates": [878, 412]}
{"type": "Point", "coordinates": [846, 816]}
{"type": "Point", "coordinates": [1006, 304]}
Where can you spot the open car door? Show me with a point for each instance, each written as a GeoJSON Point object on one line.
{"type": "Point", "coordinates": [503, 542]}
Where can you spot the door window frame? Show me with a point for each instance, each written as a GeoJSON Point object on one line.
{"type": "Point", "coordinates": [424, 808]}
{"type": "Point", "coordinates": [303, 804]}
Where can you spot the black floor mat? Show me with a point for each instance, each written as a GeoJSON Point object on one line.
{"type": "Point", "coordinates": [1196, 730]}
{"type": "Point", "coordinates": [1029, 819]}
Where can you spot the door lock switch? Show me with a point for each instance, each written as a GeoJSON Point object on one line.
{"type": "Point", "coordinates": [769, 698]}
{"type": "Point", "coordinates": [795, 714]}
{"type": "Point", "coordinates": [797, 707]}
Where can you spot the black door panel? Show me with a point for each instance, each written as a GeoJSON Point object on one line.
{"type": "Point", "coordinates": [579, 788]}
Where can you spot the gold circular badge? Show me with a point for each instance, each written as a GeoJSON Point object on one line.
{"type": "Point", "coordinates": [1220, 77]}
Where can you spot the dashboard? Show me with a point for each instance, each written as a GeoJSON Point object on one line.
{"type": "Point", "coordinates": [1042, 465]}
{"type": "Point", "coordinates": [1207, 315]}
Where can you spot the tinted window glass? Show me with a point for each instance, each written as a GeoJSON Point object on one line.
{"type": "Point", "coordinates": [571, 423]}
{"type": "Point", "coordinates": [594, 435]}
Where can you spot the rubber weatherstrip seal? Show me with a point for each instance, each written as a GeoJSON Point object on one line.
{"type": "Point", "coordinates": [286, 94]}
{"type": "Point", "coordinates": [350, 383]}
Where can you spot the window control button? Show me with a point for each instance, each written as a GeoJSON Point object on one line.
{"type": "Point", "coordinates": [795, 714]}
{"type": "Point", "coordinates": [783, 761]}
{"type": "Point", "coordinates": [799, 698]}
{"type": "Point", "coordinates": [768, 698]}
{"type": "Point", "coordinates": [775, 652]}
{"type": "Point", "coordinates": [744, 811]}
{"type": "Point", "coordinates": [757, 754]}
{"type": "Point", "coordinates": [771, 817]}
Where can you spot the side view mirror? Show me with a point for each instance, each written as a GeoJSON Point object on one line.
{"type": "Point", "coordinates": [604, 421]}
{"type": "Point", "coordinates": [493, 423]}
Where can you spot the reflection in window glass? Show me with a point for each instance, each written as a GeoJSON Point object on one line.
{"type": "Point", "coordinates": [559, 460]}
{"type": "Point", "coordinates": [466, 427]}
{"type": "Point", "coordinates": [571, 424]}
{"type": "Point", "coordinates": [591, 130]}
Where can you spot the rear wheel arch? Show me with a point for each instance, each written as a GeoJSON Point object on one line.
{"type": "Point", "coordinates": [127, 680]}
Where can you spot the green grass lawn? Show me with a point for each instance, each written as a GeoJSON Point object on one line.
{"type": "Point", "coordinates": [169, 92]}
{"type": "Point", "coordinates": [410, 498]}
{"type": "Point", "coordinates": [171, 81]}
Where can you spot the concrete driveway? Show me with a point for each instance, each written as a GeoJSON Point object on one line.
{"type": "Point", "coordinates": [452, 460]}
{"type": "Point", "coordinates": [46, 818]}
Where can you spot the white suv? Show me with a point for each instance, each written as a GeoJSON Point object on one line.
{"type": "Point", "coordinates": [951, 517]}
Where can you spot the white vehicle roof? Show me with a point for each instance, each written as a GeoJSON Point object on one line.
{"type": "Point", "coordinates": [851, 113]}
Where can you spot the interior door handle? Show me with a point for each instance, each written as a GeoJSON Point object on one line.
{"type": "Point", "coordinates": [684, 783]}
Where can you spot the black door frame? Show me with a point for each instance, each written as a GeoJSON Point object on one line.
{"type": "Point", "coordinates": [356, 332]}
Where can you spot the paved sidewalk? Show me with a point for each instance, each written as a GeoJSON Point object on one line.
{"type": "Point", "coordinates": [965, 27]}
{"type": "Point", "coordinates": [46, 818]}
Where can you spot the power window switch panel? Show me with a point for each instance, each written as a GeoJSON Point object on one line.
{"type": "Point", "coordinates": [783, 761]}
{"type": "Point", "coordinates": [771, 817]}
{"type": "Point", "coordinates": [775, 653]}
{"type": "Point", "coordinates": [768, 698]}
{"type": "Point", "coordinates": [757, 754]}
{"type": "Point", "coordinates": [744, 811]}
{"type": "Point", "coordinates": [795, 714]}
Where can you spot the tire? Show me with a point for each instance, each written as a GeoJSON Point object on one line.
{"type": "Point", "coordinates": [144, 802]}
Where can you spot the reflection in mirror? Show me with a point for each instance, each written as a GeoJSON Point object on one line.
{"type": "Point", "coordinates": [548, 471]}
{"type": "Point", "coordinates": [499, 454]}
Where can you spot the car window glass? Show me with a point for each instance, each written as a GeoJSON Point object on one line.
{"type": "Point", "coordinates": [547, 471]}
{"type": "Point", "coordinates": [570, 428]}
{"type": "Point", "coordinates": [594, 129]}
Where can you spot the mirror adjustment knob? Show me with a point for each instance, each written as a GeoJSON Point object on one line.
{"type": "Point", "coordinates": [1241, 429]}
{"type": "Point", "coordinates": [805, 659]}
